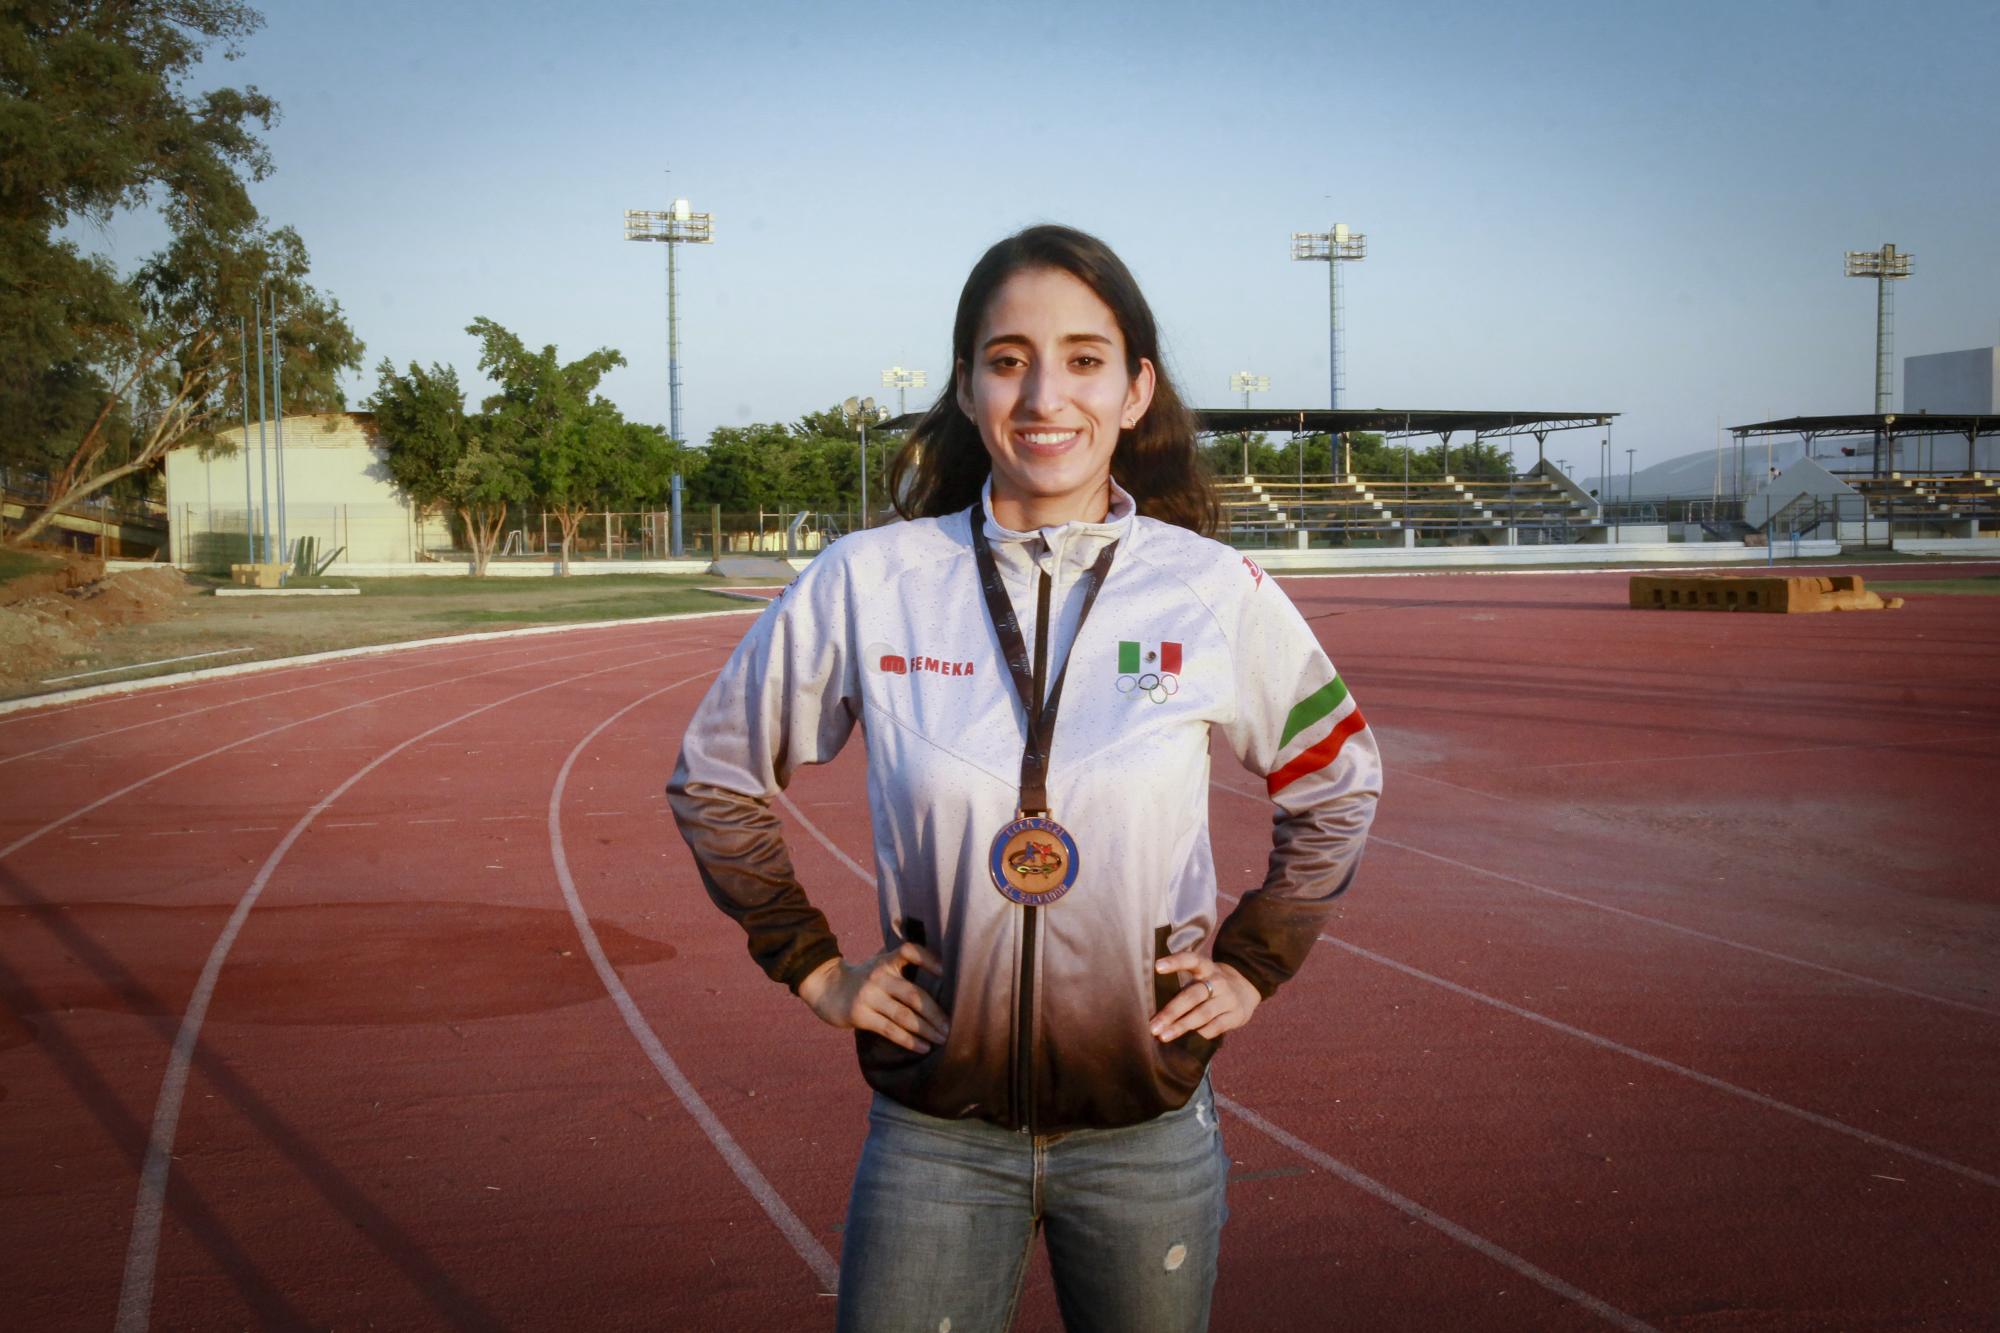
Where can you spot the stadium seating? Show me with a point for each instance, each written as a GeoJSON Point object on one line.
{"type": "Point", "coordinates": [1974, 496]}
{"type": "Point", "coordinates": [1272, 511]}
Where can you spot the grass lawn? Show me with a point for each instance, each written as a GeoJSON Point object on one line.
{"type": "Point", "coordinates": [1982, 585]}
{"type": "Point", "coordinates": [386, 611]}
{"type": "Point", "coordinates": [13, 564]}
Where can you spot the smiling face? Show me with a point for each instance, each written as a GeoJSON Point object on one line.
{"type": "Point", "coordinates": [1048, 389]}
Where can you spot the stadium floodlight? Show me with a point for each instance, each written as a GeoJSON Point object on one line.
{"type": "Point", "coordinates": [859, 412]}
{"type": "Point", "coordinates": [1246, 383]}
{"type": "Point", "coordinates": [677, 226]}
{"type": "Point", "coordinates": [899, 379]}
{"type": "Point", "coordinates": [1331, 248]}
{"type": "Point", "coordinates": [1885, 266]}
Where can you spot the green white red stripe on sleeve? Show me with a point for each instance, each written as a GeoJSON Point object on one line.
{"type": "Point", "coordinates": [1323, 721]}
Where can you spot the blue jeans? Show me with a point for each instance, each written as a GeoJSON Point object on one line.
{"type": "Point", "coordinates": [944, 1212]}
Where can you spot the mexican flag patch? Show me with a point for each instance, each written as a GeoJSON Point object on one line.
{"type": "Point", "coordinates": [1135, 658]}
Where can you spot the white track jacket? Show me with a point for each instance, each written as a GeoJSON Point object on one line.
{"type": "Point", "coordinates": [1050, 1005]}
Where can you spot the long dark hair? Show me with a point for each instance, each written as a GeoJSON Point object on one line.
{"type": "Point", "coordinates": [944, 463]}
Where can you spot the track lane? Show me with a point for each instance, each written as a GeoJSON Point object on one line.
{"type": "Point", "coordinates": [136, 1293]}
{"type": "Point", "coordinates": [98, 975]}
{"type": "Point", "coordinates": [161, 718]}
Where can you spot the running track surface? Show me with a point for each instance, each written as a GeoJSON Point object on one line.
{"type": "Point", "coordinates": [382, 992]}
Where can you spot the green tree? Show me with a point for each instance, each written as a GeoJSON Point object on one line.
{"type": "Point", "coordinates": [444, 459]}
{"type": "Point", "coordinates": [100, 375]}
{"type": "Point", "coordinates": [570, 442]}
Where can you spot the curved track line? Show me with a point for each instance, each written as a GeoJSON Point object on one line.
{"type": "Point", "coordinates": [1345, 1172]}
{"type": "Point", "coordinates": [102, 801]}
{"type": "Point", "coordinates": [802, 1240]}
{"type": "Point", "coordinates": [1411, 1208]}
{"type": "Point", "coordinates": [1706, 1080]}
{"type": "Point", "coordinates": [89, 694]}
{"type": "Point", "coordinates": [1661, 922]}
{"type": "Point", "coordinates": [1679, 929]}
{"type": "Point", "coordinates": [1658, 1062]}
{"type": "Point", "coordinates": [135, 1296]}
{"type": "Point", "coordinates": [1761, 754]}
{"type": "Point", "coordinates": [228, 703]}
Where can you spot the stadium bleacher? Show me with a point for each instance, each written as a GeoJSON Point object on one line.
{"type": "Point", "coordinates": [1370, 508]}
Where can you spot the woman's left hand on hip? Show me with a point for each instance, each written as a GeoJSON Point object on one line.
{"type": "Point", "coordinates": [1216, 998]}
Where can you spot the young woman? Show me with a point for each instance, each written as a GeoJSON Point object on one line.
{"type": "Point", "coordinates": [1037, 659]}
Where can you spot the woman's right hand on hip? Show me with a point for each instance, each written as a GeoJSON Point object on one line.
{"type": "Point", "coordinates": [873, 997]}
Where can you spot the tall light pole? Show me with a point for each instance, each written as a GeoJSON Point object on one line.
{"type": "Point", "coordinates": [859, 412]}
{"type": "Point", "coordinates": [899, 379]}
{"type": "Point", "coordinates": [1628, 478]}
{"type": "Point", "coordinates": [1246, 383]}
{"type": "Point", "coordinates": [678, 226]}
{"type": "Point", "coordinates": [1885, 266]}
{"type": "Point", "coordinates": [1331, 248]}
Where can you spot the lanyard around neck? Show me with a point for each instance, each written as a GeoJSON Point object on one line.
{"type": "Point", "coordinates": [1041, 715]}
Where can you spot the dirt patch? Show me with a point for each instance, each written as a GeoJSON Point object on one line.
{"type": "Point", "coordinates": [51, 619]}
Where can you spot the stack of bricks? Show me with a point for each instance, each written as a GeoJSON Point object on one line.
{"type": "Point", "coordinates": [1731, 592]}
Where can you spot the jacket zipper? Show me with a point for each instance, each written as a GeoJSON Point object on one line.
{"type": "Point", "coordinates": [1024, 988]}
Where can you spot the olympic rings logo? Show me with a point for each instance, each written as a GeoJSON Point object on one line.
{"type": "Point", "coordinates": [1159, 686]}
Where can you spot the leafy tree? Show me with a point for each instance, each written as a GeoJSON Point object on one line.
{"type": "Point", "coordinates": [443, 459]}
{"type": "Point", "coordinates": [100, 375]}
{"type": "Point", "coordinates": [570, 442]}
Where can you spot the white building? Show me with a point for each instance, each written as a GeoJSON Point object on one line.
{"type": "Point", "coordinates": [336, 491]}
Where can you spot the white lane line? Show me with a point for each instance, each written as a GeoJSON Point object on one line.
{"type": "Point", "coordinates": [231, 703]}
{"type": "Point", "coordinates": [354, 823]}
{"type": "Point", "coordinates": [1657, 1062]}
{"type": "Point", "coordinates": [141, 666]}
{"type": "Point", "coordinates": [1456, 786]}
{"type": "Point", "coordinates": [1410, 1207]}
{"type": "Point", "coordinates": [95, 693]}
{"type": "Point", "coordinates": [495, 819]}
{"type": "Point", "coordinates": [1761, 754]}
{"type": "Point", "coordinates": [1679, 929]}
{"type": "Point", "coordinates": [452, 820]}
{"type": "Point", "coordinates": [1661, 922]}
{"type": "Point", "coordinates": [1706, 1080]}
{"type": "Point", "coordinates": [172, 832]}
{"type": "Point", "coordinates": [135, 1297]}
{"type": "Point", "coordinates": [130, 787]}
{"type": "Point", "coordinates": [601, 814]}
{"type": "Point", "coordinates": [785, 799]}
{"type": "Point", "coordinates": [802, 1240]}
{"type": "Point", "coordinates": [1347, 1173]}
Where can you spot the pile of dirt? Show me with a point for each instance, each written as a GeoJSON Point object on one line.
{"type": "Point", "coordinates": [49, 619]}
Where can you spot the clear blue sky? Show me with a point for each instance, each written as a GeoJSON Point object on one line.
{"type": "Point", "coordinates": [1621, 207]}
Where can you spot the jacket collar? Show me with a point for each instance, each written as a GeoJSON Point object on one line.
{"type": "Point", "coordinates": [1067, 540]}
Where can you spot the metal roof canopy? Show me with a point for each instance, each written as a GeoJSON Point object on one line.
{"type": "Point", "coordinates": [1381, 420]}
{"type": "Point", "coordinates": [1395, 423]}
{"type": "Point", "coordinates": [1879, 426]}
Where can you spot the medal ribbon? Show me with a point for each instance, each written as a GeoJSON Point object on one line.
{"type": "Point", "coordinates": [1041, 716]}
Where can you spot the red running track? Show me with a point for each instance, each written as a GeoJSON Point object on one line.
{"type": "Point", "coordinates": [381, 991]}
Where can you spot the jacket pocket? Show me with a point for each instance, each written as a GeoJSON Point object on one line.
{"type": "Point", "coordinates": [880, 1055]}
{"type": "Point", "coordinates": [1186, 1056]}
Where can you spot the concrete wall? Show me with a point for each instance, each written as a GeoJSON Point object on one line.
{"type": "Point", "coordinates": [1966, 382]}
{"type": "Point", "coordinates": [337, 491]}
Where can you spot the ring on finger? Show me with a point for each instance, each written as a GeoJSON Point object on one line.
{"type": "Point", "coordinates": [1211, 986]}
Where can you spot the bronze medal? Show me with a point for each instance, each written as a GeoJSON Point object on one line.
{"type": "Point", "coordinates": [1033, 861]}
